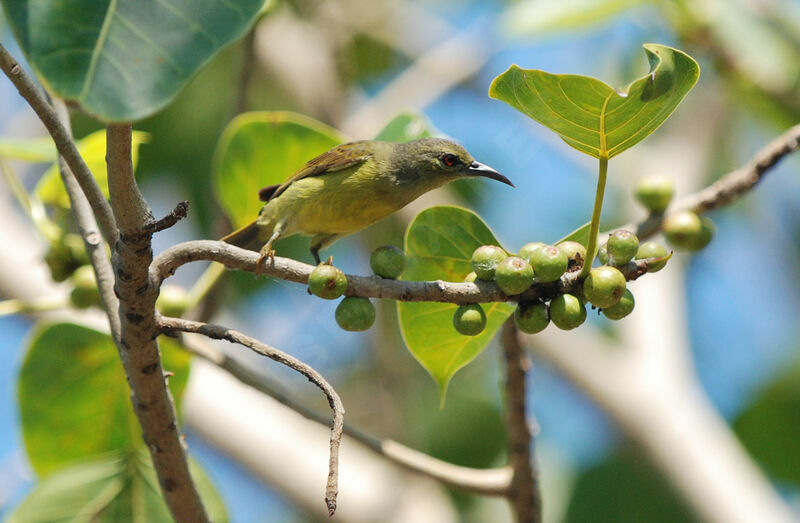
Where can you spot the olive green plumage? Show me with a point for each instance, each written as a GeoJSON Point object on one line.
{"type": "Point", "coordinates": [352, 186]}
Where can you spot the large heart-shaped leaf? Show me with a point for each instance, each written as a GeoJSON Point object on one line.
{"type": "Point", "coordinates": [590, 115]}
{"type": "Point", "coordinates": [123, 60]}
{"type": "Point", "coordinates": [116, 486]}
{"type": "Point", "coordinates": [406, 126]}
{"type": "Point", "coordinates": [50, 189]}
{"type": "Point", "coordinates": [439, 245]}
{"type": "Point", "coordinates": [264, 148]}
{"type": "Point", "coordinates": [74, 399]}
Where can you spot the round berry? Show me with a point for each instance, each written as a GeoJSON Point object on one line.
{"type": "Point", "coordinates": [528, 249]}
{"type": "Point", "coordinates": [485, 260]}
{"type": "Point", "coordinates": [469, 320]}
{"type": "Point", "coordinates": [604, 286]}
{"type": "Point", "coordinates": [652, 250]}
{"type": "Point", "coordinates": [567, 312]}
{"type": "Point", "coordinates": [172, 300]}
{"type": "Point", "coordinates": [576, 253]}
{"type": "Point", "coordinates": [387, 261]}
{"type": "Point", "coordinates": [355, 314]}
{"type": "Point", "coordinates": [655, 192]}
{"type": "Point", "coordinates": [602, 254]}
{"type": "Point", "coordinates": [621, 247]}
{"type": "Point", "coordinates": [531, 317]}
{"type": "Point", "coordinates": [623, 307]}
{"type": "Point", "coordinates": [84, 292]}
{"type": "Point", "coordinates": [549, 263]}
{"type": "Point", "coordinates": [686, 230]}
{"type": "Point", "coordinates": [513, 275]}
{"type": "Point", "coordinates": [326, 281]}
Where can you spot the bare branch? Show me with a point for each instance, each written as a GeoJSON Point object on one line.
{"type": "Point", "coordinates": [219, 332]}
{"type": "Point", "coordinates": [92, 240]}
{"type": "Point", "coordinates": [64, 143]}
{"type": "Point", "coordinates": [489, 482]}
{"type": "Point", "coordinates": [166, 263]}
{"type": "Point", "coordinates": [731, 186]}
{"type": "Point", "coordinates": [524, 494]}
{"type": "Point", "coordinates": [140, 355]}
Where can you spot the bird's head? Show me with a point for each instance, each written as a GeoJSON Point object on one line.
{"type": "Point", "coordinates": [438, 161]}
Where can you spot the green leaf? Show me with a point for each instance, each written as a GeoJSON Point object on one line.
{"type": "Point", "coordinates": [405, 127]}
{"type": "Point", "coordinates": [590, 115]}
{"type": "Point", "coordinates": [115, 486]}
{"type": "Point", "coordinates": [439, 245]}
{"type": "Point", "coordinates": [123, 60]}
{"type": "Point", "coordinates": [625, 488]}
{"type": "Point", "coordinates": [264, 148]}
{"type": "Point", "coordinates": [580, 235]}
{"type": "Point", "coordinates": [768, 428]}
{"type": "Point", "coordinates": [536, 18]}
{"type": "Point", "coordinates": [74, 399]}
{"type": "Point", "coordinates": [50, 189]}
{"type": "Point", "coordinates": [31, 150]}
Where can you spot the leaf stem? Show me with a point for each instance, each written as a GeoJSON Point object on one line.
{"type": "Point", "coordinates": [594, 229]}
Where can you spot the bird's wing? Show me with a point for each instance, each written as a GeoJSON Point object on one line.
{"type": "Point", "coordinates": [340, 157]}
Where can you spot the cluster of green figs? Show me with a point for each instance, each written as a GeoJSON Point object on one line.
{"type": "Point", "coordinates": [537, 263]}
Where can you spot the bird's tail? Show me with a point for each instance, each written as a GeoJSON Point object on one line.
{"type": "Point", "coordinates": [247, 237]}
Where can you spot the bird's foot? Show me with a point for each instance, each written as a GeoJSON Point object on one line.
{"type": "Point", "coordinates": [264, 253]}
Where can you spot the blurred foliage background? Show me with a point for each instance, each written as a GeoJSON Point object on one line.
{"type": "Point", "coordinates": [355, 64]}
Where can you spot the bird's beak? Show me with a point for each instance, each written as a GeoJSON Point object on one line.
{"type": "Point", "coordinates": [480, 169]}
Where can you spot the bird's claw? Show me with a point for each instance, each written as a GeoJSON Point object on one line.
{"type": "Point", "coordinates": [261, 263]}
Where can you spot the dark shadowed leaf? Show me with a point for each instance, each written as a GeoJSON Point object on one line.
{"type": "Point", "coordinates": [439, 245]}
{"type": "Point", "coordinates": [590, 115]}
{"type": "Point", "coordinates": [123, 60]}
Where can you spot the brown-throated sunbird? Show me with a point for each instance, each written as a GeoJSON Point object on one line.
{"type": "Point", "coordinates": [352, 186]}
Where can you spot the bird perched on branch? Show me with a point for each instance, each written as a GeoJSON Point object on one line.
{"type": "Point", "coordinates": [352, 186]}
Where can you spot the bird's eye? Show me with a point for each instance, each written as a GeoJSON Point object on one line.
{"type": "Point", "coordinates": [450, 160]}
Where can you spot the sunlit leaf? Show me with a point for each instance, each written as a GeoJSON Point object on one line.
{"type": "Point", "coordinates": [264, 148]}
{"type": "Point", "coordinates": [405, 127]}
{"type": "Point", "coordinates": [123, 60]}
{"type": "Point", "coordinates": [74, 399]}
{"type": "Point", "coordinates": [50, 189]}
{"type": "Point", "coordinates": [111, 487]}
{"type": "Point", "coordinates": [590, 115]}
{"type": "Point", "coordinates": [439, 245]}
{"type": "Point", "coordinates": [580, 235]}
{"type": "Point", "coordinates": [30, 150]}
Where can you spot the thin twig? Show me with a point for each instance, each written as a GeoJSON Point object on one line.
{"type": "Point", "coordinates": [489, 482]}
{"type": "Point", "coordinates": [524, 493]}
{"type": "Point", "coordinates": [218, 332]}
{"type": "Point", "coordinates": [64, 143]}
{"type": "Point", "coordinates": [166, 263]}
{"type": "Point", "coordinates": [92, 241]}
{"type": "Point", "coordinates": [728, 188]}
{"type": "Point", "coordinates": [140, 355]}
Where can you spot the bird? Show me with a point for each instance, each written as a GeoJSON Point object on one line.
{"type": "Point", "coordinates": [352, 186]}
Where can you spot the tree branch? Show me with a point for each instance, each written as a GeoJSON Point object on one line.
{"type": "Point", "coordinates": [218, 332]}
{"type": "Point", "coordinates": [166, 263]}
{"type": "Point", "coordinates": [64, 143]}
{"type": "Point", "coordinates": [489, 482]}
{"type": "Point", "coordinates": [95, 248]}
{"type": "Point", "coordinates": [524, 493]}
{"type": "Point", "coordinates": [728, 188]}
{"type": "Point", "coordinates": [132, 256]}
